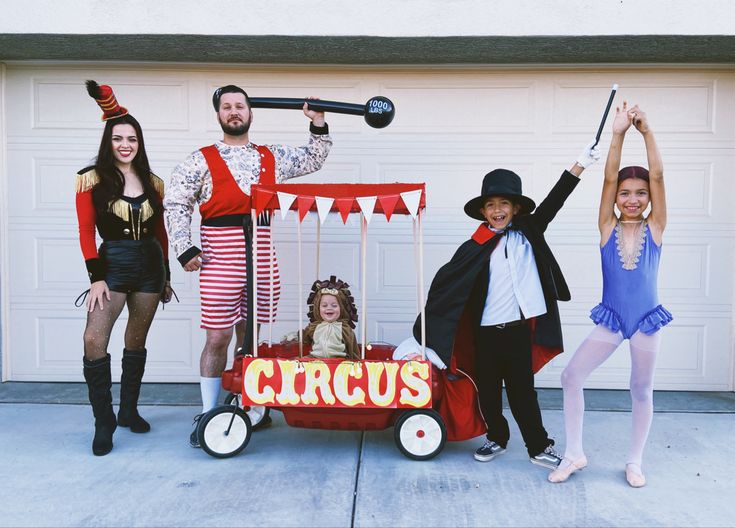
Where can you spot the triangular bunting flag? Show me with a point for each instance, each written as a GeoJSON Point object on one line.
{"type": "Point", "coordinates": [304, 203]}
{"type": "Point", "coordinates": [367, 205]}
{"type": "Point", "coordinates": [323, 205]}
{"type": "Point", "coordinates": [412, 199]}
{"type": "Point", "coordinates": [285, 200]}
{"type": "Point", "coordinates": [388, 203]}
{"type": "Point", "coordinates": [344, 205]}
{"type": "Point", "coordinates": [261, 201]}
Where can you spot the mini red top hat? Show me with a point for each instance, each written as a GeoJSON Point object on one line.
{"type": "Point", "coordinates": [106, 99]}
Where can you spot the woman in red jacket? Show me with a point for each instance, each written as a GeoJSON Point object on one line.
{"type": "Point", "coordinates": [121, 199]}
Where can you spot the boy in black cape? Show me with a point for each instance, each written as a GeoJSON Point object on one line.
{"type": "Point", "coordinates": [496, 300]}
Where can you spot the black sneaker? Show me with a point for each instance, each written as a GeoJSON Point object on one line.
{"type": "Point", "coordinates": [488, 451]}
{"type": "Point", "coordinates": [548, 458]}
{"type": "Point", "coordinates": [194, 436]}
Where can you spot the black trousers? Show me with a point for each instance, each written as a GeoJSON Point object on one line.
{"type": "Point", "coordinates": [504, 354]}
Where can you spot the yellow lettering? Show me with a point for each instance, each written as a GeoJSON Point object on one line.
{"type": "Point", "coordinates": [415, 379]}
{"type": "Point", "coordinates": [375, 372]}
{"type": "Point", "coordinates": [317, 377]}
{"type": "Point", "coordinates": [341, 379]}
{"type": "Point", "coordinates": [252, 381]}
{"type": "Point", "coordinates": [288, 395]}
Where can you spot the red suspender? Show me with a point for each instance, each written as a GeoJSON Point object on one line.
{"type": "Point", "coordinates": [227, 197]}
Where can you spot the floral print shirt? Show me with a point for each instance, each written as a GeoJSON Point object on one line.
{"type": "Point", "coordinates": [191, 181]}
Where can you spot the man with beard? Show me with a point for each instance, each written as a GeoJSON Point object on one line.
{"type": "Point", "coordinates": [218, 179]}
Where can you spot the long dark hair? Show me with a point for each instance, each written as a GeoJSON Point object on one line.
{"type": "Point", "coordinates": [111, 181]}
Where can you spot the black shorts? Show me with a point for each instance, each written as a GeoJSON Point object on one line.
{"type": "Point", "coordinates": [134, 265]}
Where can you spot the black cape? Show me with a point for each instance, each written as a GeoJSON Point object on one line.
{"type": "Point", "coordinates": [459, 288]}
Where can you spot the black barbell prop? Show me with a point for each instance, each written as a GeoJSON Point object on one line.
{"type": "Point", "coordinates": [378, 111]}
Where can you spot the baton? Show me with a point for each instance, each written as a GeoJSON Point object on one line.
{"type": "Point", "coordinates": [604, 116]}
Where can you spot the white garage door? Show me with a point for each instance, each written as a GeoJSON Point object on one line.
{"type": "Point", "coordinates": [451, 128]}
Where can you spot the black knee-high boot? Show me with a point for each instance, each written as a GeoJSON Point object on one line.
{"type": "Point", "coordinates": [133, 367]}
{"type": "Point", "coordinates": [99, 382]}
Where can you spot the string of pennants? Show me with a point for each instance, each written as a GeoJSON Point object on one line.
{"type": "Point", "coordinates": [343, 198]}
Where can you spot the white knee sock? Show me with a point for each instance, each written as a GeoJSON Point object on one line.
{"type": "Point", "coordinates": [210, 392]}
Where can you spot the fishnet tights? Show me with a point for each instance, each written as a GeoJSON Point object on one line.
{"type": "Point", "coordinates": [141, 309]}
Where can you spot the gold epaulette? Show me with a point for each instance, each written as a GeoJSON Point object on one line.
{"type": "Point", "coordinates": [157, 184]}
{"type": "Point", "coordinates": [86, 179]}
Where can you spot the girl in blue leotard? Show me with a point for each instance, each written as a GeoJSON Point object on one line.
{"type": "Point", "coordinates": [630, 247]}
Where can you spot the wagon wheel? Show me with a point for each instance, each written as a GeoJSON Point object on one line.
{"type": "Point", "coordinates": [420, 434]}
{"type": "Point", "coordinates": [258, 414]}
{"type": "Point", "coordinates": [224, 431]}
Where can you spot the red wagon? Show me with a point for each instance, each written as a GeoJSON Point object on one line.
{"type": "Point", "coordinates": [425, 406]}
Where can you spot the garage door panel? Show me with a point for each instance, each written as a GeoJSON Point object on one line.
{"type": "Point", "coordinates": [52, 349]}
{"type": "Point", "coordinates": [694, 199]}
{"type": "Point", "coordinates": [46, 264]}
{"type": "Point", "coordinates": [163, 105]}
{"type": "Point", "coordinates": [505, 109]}
{"type": "Point", "coordinates": [688, 268]}
{"type": "Point", "coordinates": [577, 107]}
{"type": "Point", "coordinates": [686, 107]}
{"type": "Point", "coordinates": [42, 185]}
{"type": "Point", "coordinates": [53, 184]}
{"type": "Point", "coordinates": [396, 270]}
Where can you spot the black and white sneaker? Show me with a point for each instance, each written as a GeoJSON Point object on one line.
{"type": "Point", "coordinates": [194, 436]}
{"type": "Point", "coordinates": [548, 458]}
{"type": "Point", "coordinates": [488, 451]}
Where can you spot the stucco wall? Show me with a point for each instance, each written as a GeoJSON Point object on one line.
{"type": "Point", "coordinates": [387, 18]}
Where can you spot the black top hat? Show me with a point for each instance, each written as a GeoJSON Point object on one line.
{"type": "Point", "coordinates": [500, 182]}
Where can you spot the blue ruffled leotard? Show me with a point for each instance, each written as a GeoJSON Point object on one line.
{"type": "Point", "coordinates": [630, 296]}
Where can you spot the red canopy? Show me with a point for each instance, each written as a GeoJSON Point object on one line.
{"type": "Point", "coordinates": [388, 196]}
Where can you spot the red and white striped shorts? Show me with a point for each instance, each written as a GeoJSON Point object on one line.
{"type": "Point", "coordinates": [223, 277]}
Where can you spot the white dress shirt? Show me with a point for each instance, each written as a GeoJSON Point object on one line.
{"type": "Point", "coordinates": [514, 287]}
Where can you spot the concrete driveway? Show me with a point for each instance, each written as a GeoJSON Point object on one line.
{"type": "Point", "coordinates": [299, 477]}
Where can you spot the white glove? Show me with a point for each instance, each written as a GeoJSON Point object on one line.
{"type": "Point", "coordinates": [410, 346]}
{"type": "Point", "coordinates": [589, 156]}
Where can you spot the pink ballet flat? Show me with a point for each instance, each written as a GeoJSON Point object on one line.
{"type": "Point", "coordinates": [634, 475]}
{"type": "Point", "coordinates": [566, 468]}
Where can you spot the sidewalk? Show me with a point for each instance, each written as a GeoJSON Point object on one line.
{"type": "Point", "coordinates": [300, 477]}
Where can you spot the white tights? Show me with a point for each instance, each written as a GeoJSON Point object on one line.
{"type": "Point", "coordinates": [592, 353]}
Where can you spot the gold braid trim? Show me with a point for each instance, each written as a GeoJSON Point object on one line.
{"type": "Point", "coordinates": [87, 180]}
{"type": "Point", "coordinates": [146, 211]}
{"type": "Point", "coordinates": [121, 209]}
{"type": "Point", "coordinates": [157, 184]}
